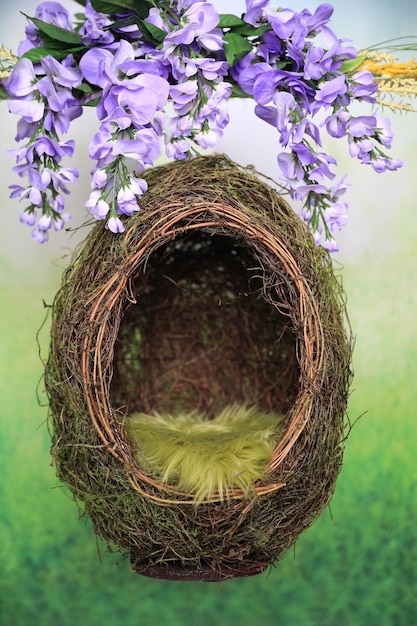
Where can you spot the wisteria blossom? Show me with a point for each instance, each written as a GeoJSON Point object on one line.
{"type": "Point", "coordinates": [43, 98]}
{"type": "Point", "coordinates": [160, 77]}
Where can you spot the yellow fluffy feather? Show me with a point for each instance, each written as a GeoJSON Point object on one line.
{"type": "Point", "coordinates": [203, 456]}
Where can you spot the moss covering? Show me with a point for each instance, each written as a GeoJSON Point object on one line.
{"type": "Point", "coordinates": [215, 294]}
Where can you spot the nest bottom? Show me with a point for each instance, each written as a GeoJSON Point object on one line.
{"type": "Point", "coordinates": [205, 574]}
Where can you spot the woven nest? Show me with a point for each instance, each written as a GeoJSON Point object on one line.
{"type": "Point", "coordinates": [214, 294]}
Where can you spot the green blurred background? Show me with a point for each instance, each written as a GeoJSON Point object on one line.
{"type": "Point", "coordinates": [356, 566]}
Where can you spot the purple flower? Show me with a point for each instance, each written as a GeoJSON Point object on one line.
{"type": "Point", "coordinates": [247, 71]}
{"type": "Point", "coordinates": [126, 107]}
{"type": "Point", "coordinates": [126, 202]}
{"type": "Point", "coordinates": [144, 66]}
{"type": "Point", "coordinates": [319, 18]}
{"type": "Point", "coordinates": [59, 222]}
{"type": "Point", "coordinates": [293, 72]}
{"type": "Point", "coordinates": [335, 216]}
{"type": "Point", "coordinates": [210, 69]}
{"type": "Point", "coordinates": [22, 80]}
{"type": "Point", "coordinates": [330, 90]}
{"type": "Point", "coordinates": [183, 95]}
{"type": "Point", "coordinates": [200, 22]}
{"type": "Point", "coordinates": [383, 132]}
{"type": "Point", "coordinates": [311, 193]}
{"type": "Point", "coordinates": [101, 67]}
{"type": "Point", "coordinates": [127, 197]}
{"type": "Point", "coordinates": [93, 32]}
{"type": "Point", "coordinates": [33, 193]}
{"type": "Point", "coordinates": [45, 222]}
{"type": "Point", "coordinates": [206, 138]}
{"type": "Point", "coordinates": [129, 31]}
{"type": "Point", "coordinates": [270, 115]}
{"type": "Point", "coordinates": [30, 110]}
{"type": "Point", "coordinates": [361, 148]}
{"type": "Point", "coordinates": [144, 147]}
{"type": "Point", "coordinates": [271, 49]}
{"type": "Point", "coordinates": [51, 13]}
{"type": "Point", "coordinates": [306, 127]}
{"type": "Point", "coordinates": [211, 110]}
{"type": "Point", "coordinates": [320, 169]}
{"type": "Point", "coordinates": [394, 164]}
{"type": "Point", "coordinates": [97, 206]}
{"type": "Point", "coordinates": [155, 18]}
{"type": "Point", "coordinates": [61, 107]}
{"type": "Point", "coordinates": [314, 68]}
{"type": "Point", "coordinates": [27, 217]}
{"type": "Point", "coordinates": [25, 130]}
{"type": "Point", "coordinates": [303, 153]}
{"type": "Point", "coordinates": [338, 190]}
{"type": "Point", "coordinates": [100, 148]}
{"type": "Point", "coordinates": [45, 145]}
{"type": "Point", "coordinates": [330, 245]}
{"type": "Point", "coordinates": [129, 101]}
{"type": "Point", "coordinates": [361, 126]}
{"type": "Point", "coordinates": [255, 11]}
{"type": "Point", "coordinates": [58, 205]}
{"type": "Point", "coordinates": [364, 86]}
{"type": "Point", "coordinates": [45, 98]}
{"type": "Point", "coordinates": [115, 224]}
{"type": "Point", "coordinates": [336, 124]}
{"type": "Point", "coordinates": [61, 74]}
{"type": "Point", "coordinates": [183, 5]}
{"type": "Point", "coordinates": [99, 179]}
{"type": "Point", "coordinates": [290, 166]}
{"type": "Point", "coordinates": [62, 176]}
{"type": "Point", "coordinates": [320, 61]}
{"type": "Point", "coordinates": [38, 185]}
{"type": "Point", "coordinates": [41, 236]}
{"type": "Point", "coordinates": [288, 24]}
{"type": "Point", "coordinates": [111, 113]}
{"type": "Point", "coordinates": [178, 149]}
{"type": "Point", "coordinates": [380, 163]}
{"type": "Point", "coordinates": [54, 13]}
{"type": "Point", "coordinates": [266, 85]}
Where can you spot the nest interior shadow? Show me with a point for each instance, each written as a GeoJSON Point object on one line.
{"type": "Point", "coordinates": [215, 293]}
{"type": "Point", "coordinates": [201, 336]}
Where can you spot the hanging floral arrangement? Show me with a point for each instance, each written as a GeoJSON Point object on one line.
{"type": "Point", "coordinates": [167, 69]}
{"type": "Point", "coordinates": [199, 366]}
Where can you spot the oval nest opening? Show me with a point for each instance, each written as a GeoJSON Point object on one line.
{"type": "Point", "coordinates": [215, 296]}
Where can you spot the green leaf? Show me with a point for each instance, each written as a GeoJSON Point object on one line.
{"type": "Point", "coordinates": [111, 7]}
{"type": "Point", "coordinates": [92, 103]}
{"type": "Point", "coordinates": [3, 94]}
{"type": "Point", "coordinates": [247, 30]}
{"type": "Point", "coordinates": [56, 32]}
{"type": "Point", "coordinates": [350, 66]}
{"type": "Point", "coordinates": [142, 7]}
{"type": "Point", "coordinates": [85, 88]}
{"type": "Point", "coordinates": [227, 20]}
{"type": "Point", "coordinates": [36, 54]}
{"type": "Point", "coordinates": [155, 34]}
{"type": "Point", "coordinates": [236, 48]}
